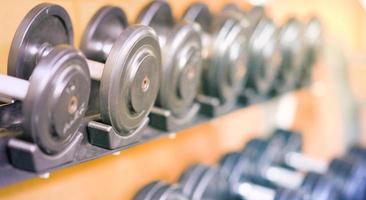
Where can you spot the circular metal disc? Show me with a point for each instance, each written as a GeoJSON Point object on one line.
{"type": "Point", "coordinates": [182, 65]}
{"type": "Point", "coordinates": [200, 13]}
{"type": "Point", "coordinates": [46, 25]}
{"type": "Point", "coordinates": [204, 182]}
{"type": "Point", "coordinates": [158, 190]}
{"type": "Point", "coordinates": [130, 80]}
{"type": "Point", "coordinates": [319, 186]}
{"type": "Point", "coordinates": [227, 71]}
{"type": "Point", "coordinates": [57, 99]}
{"type": "Point", "coordinates": [157, 14]}
{"type": "Point", "coordinates": [232, 7]}
{"type": "Point", "coordinates": [101, 32]}
{"type": "Point", "coordinates": [293, 55]}
{"type": "Point", "coordinates": [265, 56]}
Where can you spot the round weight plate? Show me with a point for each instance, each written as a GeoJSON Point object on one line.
{"type": "Point", "coordinates": [318, 186]}
{"type": "Point", "coordinates": [200, 13]}
{"type": "Point", "coordinates": [293, 55]}
{"type": "Point", "coordinates": [130, 80]}
{"type": "Point", "coordinates": [231, 7]}
{"type": "Point", "coordinates": [227, 68]}
{"type": "Point", "coordinates": [182, 65]}
{"type": "Point", "coordinates": [286, 142]}
{"type": "Point", "coordinates": [349, 175]}
{"type": "Point", "coordinates": [204, 182]}
{"type": "Point", "coordinates": [57, 99]}
{"type": "Point", "coordinates": [357, 152]}
{"type": "Point", "coordinates": [46, 25]}
{"type": "Point", "coordinates": [157, 14]}
{"type": "Point", "coordinates": [255, 15]}
{"type": "Point", "coordinates": [265, 57]}
{"type": "Point", "coordinates": [286, 194]}
{"type": "Point", "coordinates": [158, 190]}
{"type": "Point", "coordinates": [102, 31]}
{"type": "Point", "coordinates": [313, 39]}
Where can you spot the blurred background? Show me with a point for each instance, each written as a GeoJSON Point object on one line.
{"type": "Point", "coordinates": [331, 113]}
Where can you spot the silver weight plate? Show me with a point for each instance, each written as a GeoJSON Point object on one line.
{"type": "Point", "coordinates": [313, 39]}
{"type": "Point", "coordinates": [46, 25]}
{"type": "Point", "coordinates": [157, 14]}
{"type": "Point", "coordinates": [265, 56]}
{"type": "Point", "coordinates": [130, 79]}
{"type": "Point", "coordinates": [101, 32]}
{"type": "Point", "coordinates": [227, 68]}
{"type": "Point", "coordinates": [57, 99]}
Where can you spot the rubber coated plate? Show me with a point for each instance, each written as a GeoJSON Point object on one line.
{"type": "Point", "coordinates": [157, 14]}
{"type": "Point", "coordinates": [158, 190]}
{"type": "Point", "coordinates": [182, 65]}
{"type": "Point", "coordinates": [130, 79]}
{"type": "Point", "coordinates": [227, 71]}
{"type": "Point", "coordinates": [46, 25]}
{"type": "Point", "coordinates": [293, 55]}
{"type": "Point", "coordinates": [57, 99]}
{"type": "Point", "coordinates": [200, 13]}
{"type": "Point", "coordinates": [102, 31]}
{"type": "Point", "coordinates": [204, 182]}
{"type": "Point", "coordinates": [265, 57]}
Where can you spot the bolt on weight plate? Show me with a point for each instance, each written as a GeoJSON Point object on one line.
{"type": "Point", "coordinates": [159, 190]}
{"type": "Point", "coordinates": [130, 79]}
{"type": "Point", "coordinates": [46, 25]}
{"type": "Point", "coordinates": [57, 99]}
{"type": "Point", "coordinates": [181, 61]}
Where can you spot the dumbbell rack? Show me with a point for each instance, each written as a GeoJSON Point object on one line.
{"type": "Point", "coordinates": [119, 176]}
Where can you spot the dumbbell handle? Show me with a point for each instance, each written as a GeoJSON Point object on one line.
{"type": "Point", "coordinates": [305, 163]}
{"type": "Point", "coordinates": [284, 177]}
{"type": "Point", "coordinates": [251, 191]}
{"type": "Point", "coordinates": [12, 87]}
{"type": "Point", "coordinates": [96, 69]}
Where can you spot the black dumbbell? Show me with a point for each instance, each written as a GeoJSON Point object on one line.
{"type": "Point", "coordinates": [233, 167]}
{"type": "Point", "coordinates": [159, 190]}
{"type": "Point", "coordinates": [348, 171]}
{"type": "Point", "coordinates": [224, 53]}
{"type": "Point", "coordinates": [205, 182]}
{"type": "Point", "coordinates": [125, 63]}
{"type": "Point", "coordinates": [181, 60]}
{"type": "Point", "coordinates": [55, 98]}
{"type": "Point", "coordinates": [266, 171]}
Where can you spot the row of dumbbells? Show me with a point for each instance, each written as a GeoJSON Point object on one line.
{"type": "Point", "coordinates": [156, 72]}
{"type": "Point", "coordinates": [269, 169]}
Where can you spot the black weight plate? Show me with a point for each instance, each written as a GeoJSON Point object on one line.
{"type": "Point", "coordinates": [318, 186]}
{"type": "Point", "coordinates": [293, 55]}
{"type": "Point", "coordinates": [158, 190]}
{"type": "Point", "coordinates": [358, 152]}
{"type": "Point", "coordinates": [264, 59]}
{"type": "Point", "coordinates": [227, 68]}
{"type": "Point", "coordinates": [204, 182]}
{"type": "Point", "coordinates": [57, 99]}
{"type": "Point", "coordinates": [182, 65]}
{"type": "Point", "coordinates": [349, 175]}
{"type": "Point", "coordinates": [101, 32]}
{"type": "Point", "coordinates": [157, 14]}
{"type": "Point", "coordinates": [200, 13]}
{"type": "Point", "coordinates": [285, 141]}
{"type": "Point", "coordinates": [287, 194]}
{"type": "Point", "coordinates": [130, 79]}
{"type": "Point", "coordinates": [46, 25]}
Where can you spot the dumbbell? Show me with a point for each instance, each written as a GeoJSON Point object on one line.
{"type": "Point", "coordinates": [159, 190]}
{"type": "Point", "coordinates": [313, 36]}
{"type": "Point", "coordinates": [181, 61]}
{"type": "Point", "coordinates": [55, 98]}
{"type": "Point", "coordinates": [204, 182]}
{"type": "Point", "coordinates": [233, 166]}
{"type": "Point", "coordinates": [125, 64]}
{"type": "Point", "coordinates": [224, 52]}
{"type": "Point", "coordinates": [264, 55]}
{"type": "Point", "coordinates": [346, 175]}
